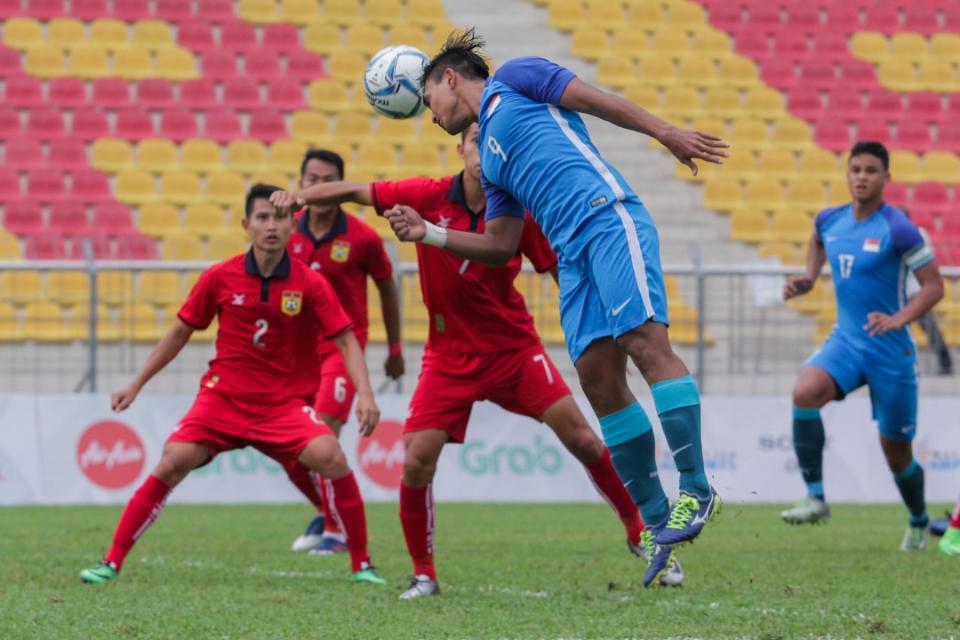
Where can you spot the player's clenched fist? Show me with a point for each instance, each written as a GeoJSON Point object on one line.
{"type": "Point", "coordinates": [287, 200]}
{"type": "Point", "coordinates": [120, 400]}
{"type": "Point", "coordinates": [797, 286]}
{"type": "Point", "coordinates": [406, 223]}
{"type": "Point", "coordinates": [368, 414]}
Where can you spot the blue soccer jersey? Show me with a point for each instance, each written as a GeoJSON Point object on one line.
{"type": "Point", "coordinates": [870, 260]}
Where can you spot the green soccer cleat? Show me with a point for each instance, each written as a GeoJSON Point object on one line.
{"type": "Point", "coordinates": [367, 574]}
{"type": "Point", "coordinates": [810, 510]}
{"type": "Point", "coordinates": [102, 572]}
{"type": "Point", "coordinates": [663, 568]}
{"type": "Point", "coordinates": [950, 542]}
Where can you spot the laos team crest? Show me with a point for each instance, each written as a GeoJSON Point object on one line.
{"type": "Point", "coordinates": [291, 302]}
{"type": "Point", "coordinates": [340, 251]}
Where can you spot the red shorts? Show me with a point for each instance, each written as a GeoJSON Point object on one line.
{"type": "Point", "coordinates": [523, 381]}
{"type": "Point", "coordinates": [280, 431]}
{"type": "Point", "coordinates": [336, 393]}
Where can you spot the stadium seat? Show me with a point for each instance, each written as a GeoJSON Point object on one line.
{"type": "Point", "coordinates": [10, 328]}
{"type": "Point", "coordinates": [764, 194]}
{"type": "Point", "coordinates": [310, 127]}
{"type": "Point", "coordinates": [215, 10]}
{"type": "Point", "coordinates": [672, 43]}
{"type": "Point", "coordinates": [182, 246]}
{"type": "Point", "coordinates": [898, 75]}
{"type": "Point", "coordinates": [158, 287]}
{"type": "Point", "coordinates": [942, 166]}
{"type": "Point", "coordinates": [427, 13]}
{"type": "Point", "coordinates": [805, 194]}
{"type": "Point", "coordinates": [10, 62]}
{"type": "Point", "coordinates": [246, 156]}
{"type": "Point", "coordinates": [21, 287]}
{"type": "Point", "coordinates": [924, 105]}
{"type": "Point", "coordinates": [874, 130]}
{"type": "Point", "coordinates": [929, 197]}
{"type": "Point", "coordinates": [110, 33]}
{"type": "Point", "coordinates": [22, 217]}
{"type": "Point", "coordinates": [287, 155]}
{"type": "Point", "coordinates": [110, 93]}
{"type": "Point", "coordinates": [180, 187]}
{"type": "Point", "coordinates": [905, 167]}
{"type": "Point", "coordinates": [133, 63]}
{"type": "Point", "coordinates": [786, 252]}
{"type": "Point", "coordinates": [884, 104]}
{"type": "Point", "coordinates": [225, 187]}
{"type": "Point", "coordinates": [592, 43]}
{"type": "Point", "coordinates": [845, 104]}
{"type": "Point", "coordinates": [135, 186]}
{"type": "Point", "coordinates": [776, 162]}
{"type": "Point", "coordinates": [158, 219]}
{"type": "Point", "coordinates": [299, 12]}
{"type": "Point", "coordinates": [155, 93]}
{"type": "Point", "coordinates": [304, 66]}
{"type": "Point", "coordinates": [805, 102]}
{"type": "Point", "coordinates": [258, 11]}
{"type": "Point", "coordinates": [912, 135]}
{"type": "Point", "coordinates": [355, 127]}
{"type": "Point", "coordinates": [10, 127]}
{"type": "Point", "coordinates": [791, 133]}
{"type": "Point", "coordinates": [655, 71]}
{"type": "Point", "coordinates": [226, 244]}
{"type": "Point", "coordinates": [918, 17]}
{"type": "Point", "coordinates": [200, 155]}
{"type": "Point", "coordinates": [218, 65]}
{"type": "Point", "coordinates": [857, 75]}
{"type": "Point", "coordinates": [69, 218]}
{"type": "Point", "coordinates": [68, 287]}
{"type": "Point", "coordinates": [911, 47]}
{"type": "Point", "coordinates": [88, 10]}
{"type": "Point", "coordinates": [275, 177]}
{"type": "Point", "coordinates": [323, 37]}
{"type": "Point", "coordinates": [749, 133]}
{"type": "Point", "coordinates": [945, 46]}
{"type": "Point", "coordinates": [23, 91]}
{"type": "Point", "coordinates": [936, 75]}
{"type": "Point", "coordinates": [152, 34]}
{"type": "Point", "coordinates": [748, 224]}
{"type": "Point", "coordinates": [346, 66]}
{"type": "Point", "coordinates": [45, 61]}
{"type": "Point", "coordinates": [843, 18]}
{"type": "Point", "coordinates": [263, 66]}
{"type": "Point", "coordinates": [409, 34]}
{"type": "Point", "coordinates": [199, 94]}
{"type": "Point", "coordinates": [45, 246]}
{"type": "Point", "coordinates": [178, 124]}
{"type": "Point", "coordinates": [871, 46]}
{"type": "Point", "coordinates": [222, 125]}
{"type": "Point", "coordinates": [45, 123]}
{"type": "Point", "coordinates": [176, 64]}
{"type": "Point", "coordinates": [833, 134]}
{"type": "Point", "coordinates": [722, 195]}
{"type": "Point", "coordinates": [108, 328]}
{"type": "Point", "coordinates": [818, 74]}
{"type": "Point", "coordinates": [206, 219]}
{"type": "Point", "coordinates": [378, 158]}
{"type": "Point", "coordinates": [90, 185]}
{"type": "Point", "coordinates": [682, 102]}
{"type": "Point", "coordinates": [267, 125]}
{"type": "Point", "coordinates": [111, 154]}
{"type": "Point", "coordinates": [23, 153]}
{"type": "Point", "coordinates": [791, 44]}
{"type": "Point", "coordinates": [65, 33]}
{"type": "Point", "coordinates": [180, 11]}
{"type": "Point", "coordinates": [9, 184]}
{"type": "Point", "coordinates": [114, 287]}
{"type": "Point", "coordinates": [112, 218]}
{"type": "Point", "coordinates": [46, 185]}
{"type": "Point", "coordinates": [157, 155]}
{"type": "Point", "coordinates": [140, 322]}
{"type": "Point", "coordinates": [364, 38]}
{"type": "Point", "coordinates": [421, 160]}
{"type": "Point", "coordinates": [765, 17]}
{"type": "Point", "coordinates": [134, 123]}
{"type": "Point", "coordinates": [285, 94]}
{"type": "Point", "coordinates": [196, 35]}
{"type": "Point", "coordinates": [22, 32]}
{"type": "Point", "coordinates": [68, 93]}
{"type": "Point", "coordinates": [882, 17]}
{"type": "Point", "coordinates": [723, 102]}
{"type": "Point", "coordinates": [398, 132]}
{"type": "Point", "coordinates": [44, 322]}
{"type": "Point", "coordinates": [329, 96]}
{"type": "Point", "coordinates": [241, 93]}
{"type": "Point", "coordinates": [817, 163]}
{"type": "Point", "coordinates": [238, 37]}
{"type": "Point", "coordinates": [9, 246]}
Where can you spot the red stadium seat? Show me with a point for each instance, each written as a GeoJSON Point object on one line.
{"type": "Point", "coordinates": [778, 73]}
{"type": "Point", "coordinates": [873, 131]}
{"type": "Point", "coordinates": [805, 102]}
{"type": "Point", "coordinates": [69, 218]}
{"type": "Point", "coordinates": [90, 124]}
{"type": "Point", "coordinates": [223, 125]}
{"type": "Point", "coordinates": [281, 37]}
{"type": "Point", "coordinates": [175, 11]}
{"type": "Point", "coordinates": [134, 123]}
{"type": "Point", "coordinates": [912, 135]}
{"type": "Point", "coordinates": [885, 104]}
{"type": "Point", "coordinates": [45, 9]}
{"type": "Point", "coordinates": [23, 91]}
{"type": "Point", "coordinates": [112, 218]}
{"type": "Point", "coordinates": [10, 9]}
{"type": "Point", "coordinates": [196, 35]}
{"type": "Point", "coordinates": [896, 193]}
{"type": "Point", "coordinates": [929, 196]}
{"type": "Point", "coordinates": [241, 93]}
{"type": "Point", "coordinates": [45, 246]}
{"type": "Point", "coordinates": [923, 219]}
{"type": "Point", "coordinates": [844, 103]}
{"type": "Point", "coordinates": [304, 66]}
{"type": "Point", "coordinates": [155, 93]}
{"type": "Point", "coordinates": [132, 10]}
{"type": "Point", "coordinates": [68, 153]}
{"type": "Point", "coordinates": [136, 247]}
{"type": "Point", "coordinates": [99, 243]}
{"type": "Point", "coordinates": [925, 105]}
{"type": "Point", "coordinates": [951, 17]}
{"type": "Point", "coordinates": [882, 17]}
{"type": "Point", "coordinates": [10, 126]}
{"type": "Point", "coordinates": [111, 93]}
{"type": "Point", "coordinates": [829, 44]}
{"type": "Point", "coordinates": [765, 17]}
{"type": "Point", "coordinates": [199, 94]}
{"type": "Point", "coordinates": [89, 185]}
{"type": "Point", "coordinates": [832, 134]}
{"type": "Point", "coordinates": [22, 217]}
{"type": "Point", "coordinates": [218, 64]}
{"type": "Point", "coordinates": [753, 44]}
{"type": "Point", "coordinates": [67, 93]}
{"type": "Point", "coordinates": [843, 17]}
{"type": "Point", "coordinates": [857, 74]}
{"type": "Point", "coordinates": [803, 17]}
{"type": "Point", "coordinates": [46, 185]}
{"type": "Point", "coordinates": [88, 10]}
{"type": "Point", "coordinates": [790, 44]}
{"type": "Point", "coordinates": [9, 184]}
{"type": "Point", "coordinates": [817, 73]}
{"type": "Point", "coordinates": [45, 123]}
{"type": "Point", "coordinates": [918, 17]}
{"type": "Point", "coordinates": [267, 126]}
{"type": "Point", "coordinates": [10, 63]}
{"type": "Point", "coordinates": [239, 37]}
{"type": "Point", "coordinates": [178, 125]}
{"type": "Point", "coordinates": [726, 16]}
{"type": "Point", "coordinates": [215, 10]}
{"type": "Point", "coordinates": [265, 65]}
{"type": "Point", "coordinates": [285, 94]}
{"type": "Point", "coordinates": [24, 153]}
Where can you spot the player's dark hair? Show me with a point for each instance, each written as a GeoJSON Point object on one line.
{"type": "Point", "coordinates": [323, 155]}
{"type": "Point", "coordinates": [460, 52]}
{"type": "Point", "coordinates": [873, 149]}
{"type": "Point", "coordinates": [257, 192]}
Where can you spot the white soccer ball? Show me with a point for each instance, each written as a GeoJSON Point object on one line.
{"type": "Point", "coordinates": [392, 81]}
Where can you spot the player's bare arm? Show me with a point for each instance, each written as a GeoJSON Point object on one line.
{"type": "Point", "coordinates": [368, 414]}
{"type": "Point", "coordinates": [394, 365]}
{"type": "Point", "coordinates": [495, 246]}
{"type": "Point", "coordinates": [816, 258]}
{"type": "Point", "coordinates": [166, 350]}
{"type": "Point", "coordinates": [323, 194]}
{"type": "Point", "coordinates": [686, 145]}
{"type": "Point", "coordinates": [931, 292]}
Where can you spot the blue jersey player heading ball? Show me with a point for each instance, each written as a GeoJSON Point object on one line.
{"type": "Point", "coordinates": [871, 246]}
{"type": "Point", "coordinates": [536, 155]}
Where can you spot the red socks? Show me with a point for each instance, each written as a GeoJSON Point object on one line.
{"type": "Point", "coordinates": [142, 509]}
{"type": "Point", "coordinates": [330, 524]}
{"type": "Point", "coordinates": [955, 520]}
{"type": "Point", "coordinates": [609, 485]}
{"type": "Point", "coordinates": [417, 515]}
{"type": "Point", "coordinates": [311, 485]}
{"type": "Point", "coordinates": [346, 510]}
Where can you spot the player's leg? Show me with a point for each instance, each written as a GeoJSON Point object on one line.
{"type": "Point", "coordinates": [950, 544]}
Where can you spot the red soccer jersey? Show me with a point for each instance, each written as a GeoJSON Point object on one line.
{"type": "Point", "coordinates": [346, 255]}
{"type": "Point", "coordinates": [474, 308]}
{"type": "Point", "coordinates": [264, 323]}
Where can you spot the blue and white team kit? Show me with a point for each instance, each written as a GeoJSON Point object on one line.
{"type": "Point", "coordinates": [869, 261]}
{"type": "Point", "coordinates": [536, 155]}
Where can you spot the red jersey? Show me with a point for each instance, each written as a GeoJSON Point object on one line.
{"type": "Point", "coordinates": [345, 255]}
{"type": "Point", "coordinates": [474, 308]}
{"type": "Point", "coordinates": [263, 325]}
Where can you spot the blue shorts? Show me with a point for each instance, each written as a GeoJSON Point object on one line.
{"type": "Point", "coordinates": [615, 283]}
{"type": "Point", "coordinates": [892, 383]}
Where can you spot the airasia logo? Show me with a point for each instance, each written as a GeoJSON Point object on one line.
{"type": "Point", "coordinates": [381, 455]}
{"type": "Point", "coordinates": [110, 454]}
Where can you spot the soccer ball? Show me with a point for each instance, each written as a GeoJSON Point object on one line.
{"type": "Point", "coordinates": [392, 81]}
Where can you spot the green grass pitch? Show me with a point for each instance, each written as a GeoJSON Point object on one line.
{"type": "Point", "coordinates": [507, 571]}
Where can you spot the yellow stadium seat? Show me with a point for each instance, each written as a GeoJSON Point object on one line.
{"type": "Point", "coordinates": [111, 155]}
{"type": "Point", "coordinates": [397, 131]}
{"type": "Point", "coordinates": [139, 322]}
{"type": "Point", "coordinates": [607, 15]}
{"type": "Point", "coordinates": [114, 287]}
{"type": "Point", "coordinates": [777, 162]}
{"type": "Point", "coordinates": [737, 72]}
{"type": "Point", "coordinates": [152, 34]}
{"type": "Point", "coordinates": [805, 194]}
{"type": "Point", "coordinates": [246, 156]}
{"type": "Point", "coordinates": [429, 13]}
{"type": "Point", "coordinates": [410, 34]}
{"type": "Point", "coordinates": [10, 328]}
{"type": "Point", "coordinates": [818, 163]}
{"type": "Point", "coordinates": [590, 42]}
{"type": "Point", "coordinates": [749, 133]}
{"type": "Point", "coordinates": [135, 186]}
{"type": "Point", "coordinates": [227, 187]}
{"type": "Point", "coordinates": [68, 287]}
{"type": "Point", "coordinates": [9, 246]}
{"type": "Point", "coordinates": [421, 160]}
{"type": "Point", "coordinates": [711, 42]}
{"type": "Point", "coordinates": [792, 226]}
{"type": "Point", "coordinates": [176, 63]}
{"type": "Point", "coordinates": [158, 219]}
{"type": "Point", "coordinates": [945, 46]}
{"type": "Point", "coordinates": [740, 166]}
{"type": "Point", "coordinates": [309, 127]}
{"type": "Point", "coordinates": [618, 72]}
{"type": "Point", "coordinates": [258, 11]}
{"type": "Point", "coordinates": [90, 61]}
{"type": "Point", "coordinates": [792, 133]}
{"type": "Point", "coordinates": [630, 44]}
{"type": "Point", "coordinates": [226, 244]}
{"type": "Point", "coordinates": [379, 158]}
{"type": "Point", "coordinates": [78, 324]}
{"type": "Point", "coordinates": [20, 287]}
{"type": "Point", "coordinates": [645, 16]}
{"type": "Point", "coordinates": [355, 127]}
{"type": "Point", "coordinates": [323, 37]}
{"type": "Point", "coordinates": [45, 61]}
{"type": "Point", "coordinates": [687, 15]}
{"type": "Point", "coordinates": [723, 102]}
{"type": "Point", "coordinates": [682, 102]}
{"type": "Point", "coordinates": [646, 97]}
{"type": "Point", "coordinates": [329, 96]}
{"type": "Point", "coordinates": [838, 191]}
{"type": "Point", "coordinates": [711, 125]}
{"type": "Point", "coordinates": [905, 167]}
{"type": "Point", "coordinates": [365, 38]}
{"type": "Point", "coordinates": [937, 74]}
{"type": "Point", "coordinates": [567, 15]}
{"type": "Point", "coordinates": [672, 43]}
{"type": "Point", "coordinates": [181, 187]}
{"type": "Point", "coordinates": [749, 225]}
{"type": "Point", "coordinates": [764, 194]}
{"type": "Point", "coordinates": [204, 219]}
{"type": "Point", "coordinates": [157, 155]}
{"type": "Point", "coordinates": [346, 66]}
{"type": "Point", "coordinates": [287, 155]}
{"type": "Point", "coordinates": [721, 194]}
{"type": "Point", "coordinates": [787, 252]}
{"type": "Point", "coordinates": [385, 13]}
{"type": "Point", "coordinates": [45, 322]}
{"type": "Point", "coordinates": [870, 45]}
{"type": "Point", "coordinates": [22, 33]}
{"type": "Point", "coordinates": [200, 155]}
{"type": "Point", "coordinates": [300, 12]}
{"type": "Point", "coordinates": [182, 246]}
{"type": "Point", "coordinates": [158, 287]}
{"type": "Point", "coordinates": [898, 75]}
{"type": "Point", "coordinates": [941, 166]}
{"type": "Point", "coordinates": [342, 12]}
{"type": "Point", "coordinates": [764, 102]}
{"type": "Point", "coordinates": [133, 63]}
{"type": "Point", "coordinates": [908, 46]}
{"type": "Point", "coordinates": [66, 32]}
{"type": "Point", "coordinates": [655, 71]}
{"type": "Point", "coordinates": [110, 33]}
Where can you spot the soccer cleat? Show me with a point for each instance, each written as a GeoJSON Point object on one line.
{"type": "Point", "coordinates": [914, 539]}
{"type": "Point", "coordinates": [950, 543]}
{"type": "Point", "coordinates": [938, 527]}
{"type": "Point", "coordinates": [687, 517]}
{"type": "Point", "coordinates": [312, 537]}
{"type": "Point", "coordinates": [102, 572]}
{"type": "Point", "coordinates": [810, 510]}
{"type": "Point", "coordinates": [421, 586]}
{"type": "Point", "coordinates": [662, 566]}
{"type": "Point", "coordinates": [367, 574]}
{"type": "Point", "coordinates": [330, 543]}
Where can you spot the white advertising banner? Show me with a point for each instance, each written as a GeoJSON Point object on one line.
{"type": "Point", "coordinates": [71, 449]}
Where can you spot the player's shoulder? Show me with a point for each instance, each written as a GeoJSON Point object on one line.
{"type": "Point", "coordinates": [830, 214]}
{"type": "Point", "coordinates": [521, 64]}
{"type": "Point", "coordinates": [225, 267]}
{"type": "Point", "coordinates": [895, 217]}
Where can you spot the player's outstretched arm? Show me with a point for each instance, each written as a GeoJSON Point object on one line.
{"type": "Point", "coordinates": [390, 308]}
{"type": "Point", "coordinates": [495, 246]}
{"type": "Point", "coordinates": [166, 350]}
{"type": "Point", "coordinates": [931, 292]}
{"type": "Point", "coordinates": [686, 145]}
{"type": "Point", "coordinates": [816, 258]}
{"type": "Point", "coordinates": [368, 414]}
{"type": "Point", "coordinates": [323, 194]}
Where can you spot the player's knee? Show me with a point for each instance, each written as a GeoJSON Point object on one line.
{"type": "Point", "coordinates": [326, 458]}
{"type": "Point", "coordinates": [650, 351]}
{"type": "Point", "coordinates": [899, 454]}
{"type": "Point", "coordinates": [417, 470]}
{"type": "Point", "coordinates": [584, 445]}
{"type": "Point", "coordinates": [808, 396]}
{"type": "Point", "coordinates": [172, 469]}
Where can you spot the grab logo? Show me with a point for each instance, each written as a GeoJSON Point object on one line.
{"type": "Point", "coordinates": [110, 454]}
{"type": "Point", "coordinates": [381, 455]}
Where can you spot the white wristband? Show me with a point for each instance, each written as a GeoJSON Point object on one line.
{"type": "Point", "coordinates": [436, 236]}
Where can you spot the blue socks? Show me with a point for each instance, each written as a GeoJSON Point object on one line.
{"type": "Point", "coordinates": [910, 483]}
{"type": "Point", "coordinates": [678, 406]}
{"type": "Point", "coordinates": [629, 436]}
{"type": "Point", "coordinates": [808, 441]}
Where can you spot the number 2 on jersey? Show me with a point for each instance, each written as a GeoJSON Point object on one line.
{"type": "Point", "coordinates": [262, 326]}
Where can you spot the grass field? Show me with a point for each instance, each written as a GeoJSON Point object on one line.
{"type": "Point", "coordinates": [507, 571]}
